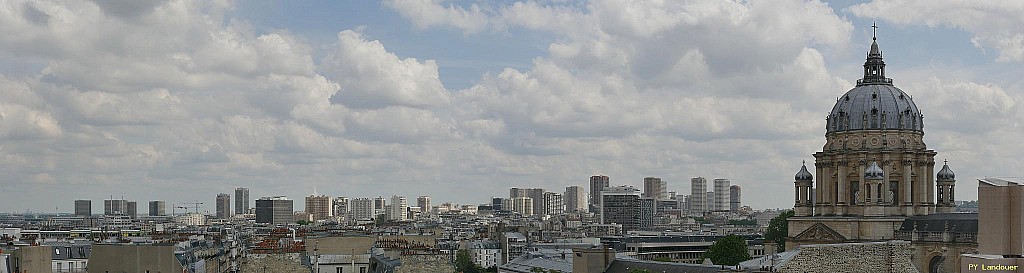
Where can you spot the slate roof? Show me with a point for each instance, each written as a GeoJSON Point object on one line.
{"type": "Point", "coordinates": [624, 266]}
{"type": "Point", "coordinates": [956, 222]}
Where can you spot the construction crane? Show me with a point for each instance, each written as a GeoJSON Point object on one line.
{"type": "Point", "coordinates": [192, 203]}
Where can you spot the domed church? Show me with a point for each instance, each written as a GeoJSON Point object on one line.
{"type": "Point", "coordinates": [874, 171]}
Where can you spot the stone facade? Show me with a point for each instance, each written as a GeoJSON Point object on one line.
{"type": "Point", "coordinates": [892, 256]}
{"type": "Point", "coordinates": [826, 230]}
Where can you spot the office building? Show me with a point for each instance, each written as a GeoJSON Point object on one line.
{"type": "Point", "coordinates": [597, 184]}
{"type": "Point", "coordinates": [648, 208]}
{"type": "Point", "coordinates": [655, 188]}
{"type": "Point", "coordinates": [223, 206]}
{"type": "Point", "coordinates": [722, 194]}
{"type": "Point", "coordinates": [83, 207]}
{"type": "Point", "coordinates": [157, 208]}
{"type": "Point", "coordinates": [424, 203]}
{"type": "Point", "coordinates": [241, 200]}
{"type": "Point", "coordinates": [621, 205]}
{"type": "Point", "coordinates": [277, 210]}
{"type": "Point", "coordinates": [698, 198]}
{"type": "Point", "coordinates": [115, 207]}
{"type": "Point", "coordinates": [734, 198]}
{"type": "Point", "coordinates": [575, 199]}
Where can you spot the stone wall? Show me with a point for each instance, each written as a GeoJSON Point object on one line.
{"type": "Point", "coordinates": [425, 264]}
{"type": "Point", "coordinates": [892, 256]}
{"type": "Point", "coordinates": [278, 263]}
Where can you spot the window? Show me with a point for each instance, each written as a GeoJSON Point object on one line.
{"type": "Point", "coordinates": [340, 270]}
{"type": "Point", "coordinates": [362, 269]}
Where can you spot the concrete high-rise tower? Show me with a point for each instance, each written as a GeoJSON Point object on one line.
{"type": "Point", "coordinates": [115, 207]}
{"type": "Point", "coordinates": [597, 184]}
{"type": "Point", "coordinates": [698, 196]}
{"type": "Point", "coordinates": [362, 209]}
{"type": "Point", "coordinates": [554, 203]}
{"type": "Point", "coordinates": [342, 207]}
{"type": "Point", "coordinates": [319, 207]}
{"type": "Point", "coordinates": [83, 207]}
{"type": "Point", "coordinates": [223, 206]}
{"type": "Point", "coordinates": [655, 188]}
{"type": "Point", "coordinates": [276, 210]}
{"type": "Point", "coordinates": [734, 198]}
{"type": "Point", "coordinates": [722, 194]}
{"type": "Point", "coordinates": [241, 200]}
{"type": "Point", "coordinates": [397, 210]}
{"type": "Point", "coordinates": [157, 208]}
{"type": "Point", "coordinates": [424, 203]}
{"type": "Point", "coordinates": [575, 199]}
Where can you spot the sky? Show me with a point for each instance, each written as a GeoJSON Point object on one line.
{"type": "Point", "coordinates": [461, 100]}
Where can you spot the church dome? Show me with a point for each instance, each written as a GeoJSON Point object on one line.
{"type": "Point", "coordinates": [945, 173]}
{"type": "Point", "coordinates": [874, 172]}
{"type": "Point", "coordinates": [803, 174]}
{"type": "Point", "coordinates": [874, 104]}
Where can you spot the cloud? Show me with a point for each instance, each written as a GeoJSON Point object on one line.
{"type": "Point", "coordinates": [965, 106]}
{"type": "Point", "coordinates": [372, 77]}
{"type": "Point", "coordinates": [993, 24]}
{"type": "Point", "coordinates": [429, 13]}
{"type": "Point", "coordinates": [20, 123]}
{"type": "Point", "coordinates": [159, 100]}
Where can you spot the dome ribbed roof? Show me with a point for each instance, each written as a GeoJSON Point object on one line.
{"type": "Point", "coordinates": [874, 172]}
{"type": "Point", "coordinates": [803, 174]}
{"type": "Point", "coordinates": [875, 104]}
{"type": "Point", "coordinates": [875, 107]}
{"type": "Point", "coordinates": [945, 173]}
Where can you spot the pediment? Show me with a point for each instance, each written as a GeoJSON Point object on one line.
{"type": "Point", "coordinates": [820, 232]}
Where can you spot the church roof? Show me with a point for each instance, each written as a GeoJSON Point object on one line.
{"type": "Point", "coordinates": [803, 174]}
{"type": "Point", "coordinates": [945, 173]}
{"type": "Point", "coordinates": [954, 222]}
{"type": "Point", "coordinates": [626, 266]}
{"type": "Point", "coordinates": [875, 103]}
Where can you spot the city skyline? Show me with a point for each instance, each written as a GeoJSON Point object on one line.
{"type": "Point", "coordinates": [460, 103]}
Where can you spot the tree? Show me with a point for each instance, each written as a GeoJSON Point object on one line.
{"type": "Point", "coordinates": [728, 250]}
{"type": "Point", "coordinates": [778, 229]}
{"type": "Point", "coordinates": [464, 263]}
